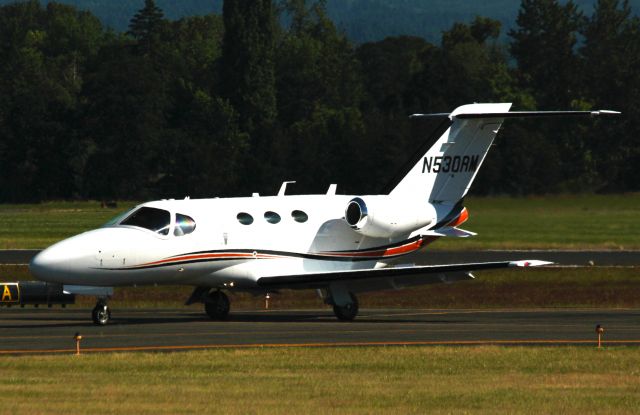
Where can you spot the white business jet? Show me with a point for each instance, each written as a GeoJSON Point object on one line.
{"type": "Point", "coordinates": [338, 244]}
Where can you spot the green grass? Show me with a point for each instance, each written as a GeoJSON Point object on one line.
{"type": "Point", "coordinates": [394, 380]}
{"type": "Point", "coordinates": [569, 222]}
{"type": "Point", "coordinates": [514, 288]}
{"type": "Point", "coordinates": [38, 226]}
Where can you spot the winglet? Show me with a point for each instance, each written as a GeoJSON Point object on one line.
{"type": "Point", "coordinates": [529, 263]}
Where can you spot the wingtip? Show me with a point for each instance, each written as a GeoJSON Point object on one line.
{"type": "Point", "coordinates": [529, 263]}
{"type": "Point", "coordinates": [606, 113]}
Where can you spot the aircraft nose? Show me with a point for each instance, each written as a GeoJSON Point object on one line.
{"type": "Point", "coordinates": [61, 260]}
{"type": "Point", "coordinates": [46, 264]}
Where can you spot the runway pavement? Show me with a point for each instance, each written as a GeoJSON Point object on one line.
{"type": "Point", "coordinates": [52, 330]}
{"type": "Point", "coordinates": [429, 256]}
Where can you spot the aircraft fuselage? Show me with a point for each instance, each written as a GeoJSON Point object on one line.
{"type": "Point", "coordinates": [286, 235]}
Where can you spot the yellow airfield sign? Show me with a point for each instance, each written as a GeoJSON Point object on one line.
{"type": "Point", "coordinates": [10, 293]}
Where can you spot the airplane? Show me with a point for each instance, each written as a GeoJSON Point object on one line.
{"type": "Point", "coordinates": [340, 245]}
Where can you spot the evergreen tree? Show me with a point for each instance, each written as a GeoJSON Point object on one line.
{"type": "Point", "coordinates": [611, 71]}
{"type": "Point", "coordinates": [247, 81]}
{"type": "Point", "coordinates": [319, 98]}
{"type": "Point", "coordinates": [146, 25]}
{"type": "Point", "coordinates": [544, 45]}
{"type": "Point", "coordinates": [248, 78]}
{"type": "Point", "coordinates": [42, 64]}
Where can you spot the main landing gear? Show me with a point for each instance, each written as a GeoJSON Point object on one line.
{"type": "Point", "coordinates": [216, 305]}
{"type": "Point", "coordinates": [348, 311]}
{"type": "Point", "coordinates": [344, 302]}
{"type": "Point", "coordinates": [101, 313]}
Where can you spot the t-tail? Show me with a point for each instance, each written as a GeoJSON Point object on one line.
{"type": "Point", "coordinates": [444, 174]}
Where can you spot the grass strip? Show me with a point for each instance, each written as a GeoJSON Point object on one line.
{"type": "Point", "coordinates": [40, 225]}
{"type": "Point", "coordinates": [551, 222]}
{"type": "Point", "coordinates": [395, 380]}
{"type": "Point", "coordinates": [558, 222]}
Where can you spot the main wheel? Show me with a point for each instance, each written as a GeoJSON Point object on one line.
{"type": "Point", "coordinates": [101, 314]}
{"type": "Point", "coordinates": [347, 312]}
{"type": "Point", "coordinates": [217, 305]}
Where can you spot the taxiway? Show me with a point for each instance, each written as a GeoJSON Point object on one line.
{"type": "Point", "coordinates": [52, 330]}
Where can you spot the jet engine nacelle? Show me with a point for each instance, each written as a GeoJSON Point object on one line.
{"type": "Point", "coordinates": [382, 217]}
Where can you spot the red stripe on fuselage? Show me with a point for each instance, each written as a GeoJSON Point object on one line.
{"type": "Point", "coordinates": [382, 253]}
{"type": "Point", "coordinates": [226, 255]}
{"type": "Point", "coordinates": [373, 254]}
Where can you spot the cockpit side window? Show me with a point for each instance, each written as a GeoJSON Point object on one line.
{"type": "Point", "coordinates": [153, 219]}
{"type": "Point", "coordinates": [184, 225]}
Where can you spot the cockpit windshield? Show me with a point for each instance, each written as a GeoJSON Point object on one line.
{"type": "Point", "coordinates": [116, 220]}
{"type": "Point", "coordinates": [153, 219]}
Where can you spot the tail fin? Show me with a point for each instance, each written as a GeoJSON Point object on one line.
{"type": "Point", "coordinates": [446, 171]}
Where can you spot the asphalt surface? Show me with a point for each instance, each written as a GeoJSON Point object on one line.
{"type": "Point", "coordinates": [51, 330]}
{"type": "Point", "coordinates": [427, 256]}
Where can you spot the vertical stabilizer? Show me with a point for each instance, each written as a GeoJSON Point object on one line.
{"type": "Point", "coordinates": [445, 173]}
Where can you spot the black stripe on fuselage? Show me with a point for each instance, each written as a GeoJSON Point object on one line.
{"type": "Point", "coordinates": [300, 255]}
{"type": "Point", "coordinates": [275, 253]}
{"type": "Point", "coordinates": [321, 257]}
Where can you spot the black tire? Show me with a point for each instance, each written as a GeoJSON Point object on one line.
{"type": "Point", "coordinates": [217, 305]}
{"type": "Point", "coordinates": [101, 314]}
{"type": "Point", "coordinates": [347, 312]}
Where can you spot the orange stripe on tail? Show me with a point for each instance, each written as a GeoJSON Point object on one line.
{"type": "Point", "coordinates": [462, 218]}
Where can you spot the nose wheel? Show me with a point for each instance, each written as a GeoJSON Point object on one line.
{"type": "Point", "coordinates": [101, 313]}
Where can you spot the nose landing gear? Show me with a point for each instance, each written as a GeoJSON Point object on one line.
{"type": "Point", "coordinates": [101, 313]}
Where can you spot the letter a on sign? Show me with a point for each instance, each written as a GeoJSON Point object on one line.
{"type": "Point", "coordinates": [6, 294]}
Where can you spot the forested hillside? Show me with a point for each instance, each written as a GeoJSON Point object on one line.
{"type": "Point", "coordinates": [361, 20]}
{"type": "Point", "coordinates": [235, 103]}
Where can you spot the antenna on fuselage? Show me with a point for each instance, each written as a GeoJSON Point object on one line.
{"type": "Point", "coordinates": [331, 191]}
{"type": "Point", "coordinates": [283, 188]}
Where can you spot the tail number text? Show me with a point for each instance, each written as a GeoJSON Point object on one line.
{"type": "Point", "coordinates": [449, 164]}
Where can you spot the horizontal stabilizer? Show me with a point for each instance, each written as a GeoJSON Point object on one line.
{"type": "Point", "coordinates": [537, 114]}
{"type": "Point", "coordinates": [438, 273]}
{"type": "Point", "coordinates": [522, 114]}
{"type": "Point", "coordinates": [454, 232]}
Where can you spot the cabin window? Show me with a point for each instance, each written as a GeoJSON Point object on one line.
{"type": "Point", "coordinates": [184, 225]}
{"type": "Point", "coordinates": [245, 218]}
{"type": "Point", "coordinates": [153, 219]}
{"type": "Point", "coordinates": [299, 216]}
{"type": "Point", "coordinates": [272, 217]}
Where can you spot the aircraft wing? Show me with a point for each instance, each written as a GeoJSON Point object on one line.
{"type": "Point", "coordinates": [422, 274]}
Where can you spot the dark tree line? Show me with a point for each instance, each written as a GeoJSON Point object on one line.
{"type": "Point", "coordinates": [231, 104]}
